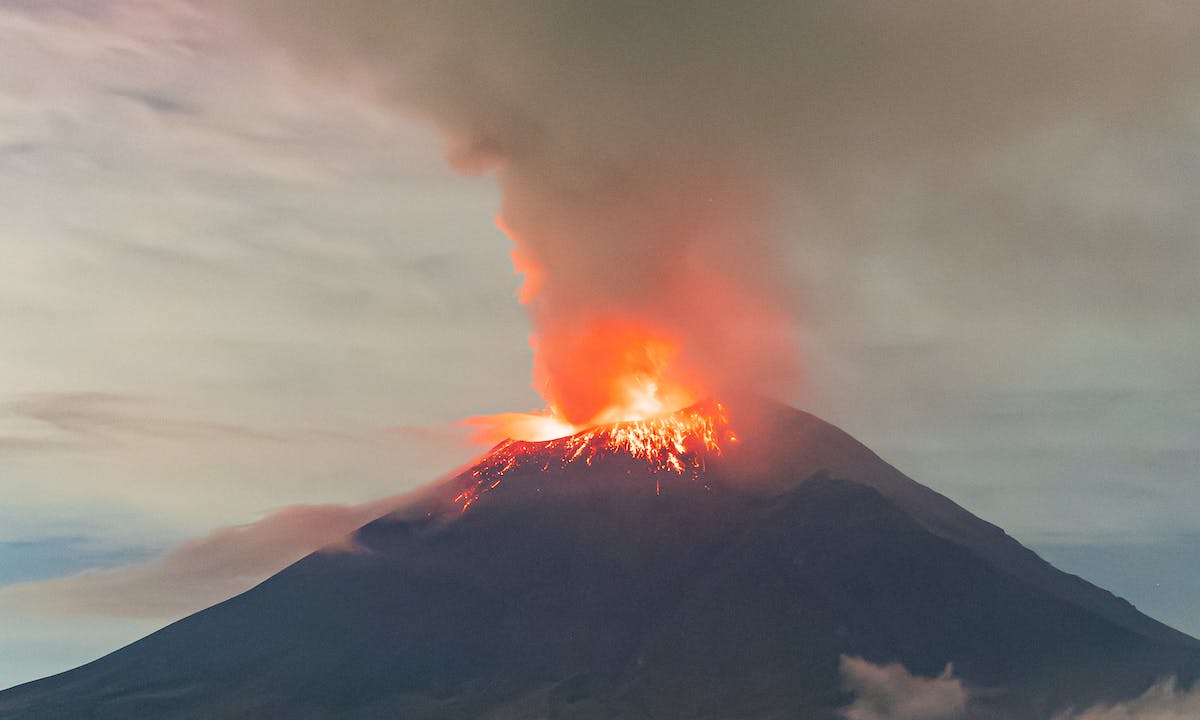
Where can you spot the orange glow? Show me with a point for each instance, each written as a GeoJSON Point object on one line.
{"type": "Point", "coordinates": [610, 371]}
{"type": "Point", "coordinates": [524, 265]}
{"type": "Point", "coordinates": [592, 370]}
{"type": "Point", "coordinates": [676, 443]}
{"type": "Point", "coordinates": [620, 373]}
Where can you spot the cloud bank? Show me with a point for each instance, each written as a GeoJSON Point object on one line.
{"type": "Point", "coordinates": [1164, 701]}
{"type": "Point", "coordinates": [891, 692]}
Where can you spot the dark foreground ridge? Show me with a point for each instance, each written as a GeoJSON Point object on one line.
{"type": "Point", "coordinates": [594, 591]}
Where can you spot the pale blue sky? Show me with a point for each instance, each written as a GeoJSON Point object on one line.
{"type": "Point", "coordinates": [227, 287]}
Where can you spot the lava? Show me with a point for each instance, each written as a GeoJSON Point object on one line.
{"type": "Point", "coordinates": [592, 366]}
{"type": "Point", "coordinates": [677, 442]}
{"type": "Point", "coordinates": [627, 375]}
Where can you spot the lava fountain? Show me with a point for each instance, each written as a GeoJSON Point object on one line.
{"type": "Point", "coordinates": [597, 369]}
{"type": "Point", "coordinates": [624, 376]}
{"type": "Point", "coordinates": [678, 442]}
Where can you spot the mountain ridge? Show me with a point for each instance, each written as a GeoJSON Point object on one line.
{"type": "Point", "coordinates": [604, 590]}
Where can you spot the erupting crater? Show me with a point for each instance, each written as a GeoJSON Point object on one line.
{"type": "Point", "coordinates": [678, 442]}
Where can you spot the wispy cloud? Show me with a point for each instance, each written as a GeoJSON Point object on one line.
{"type": "Point", "coordinates": [79, 420]}
{"type": "Point", "coordinates": [98, 416]}
{"type": "Point", "coordinates": [16, 444]}
{"type": "Point", "coordinates": [202, 571]}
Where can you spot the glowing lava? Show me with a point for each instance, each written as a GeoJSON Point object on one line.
{"type": "Point", "coordinates": [676, 443]}
{"type": "Point", "coordinates": [592, 366]}
{"type": "Point", "coordinates": [619, 379]}
{"type": "Point", "coordinates": [622, 372]}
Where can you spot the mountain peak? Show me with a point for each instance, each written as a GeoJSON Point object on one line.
{"type": "Point", "coordinates": [681, 442]}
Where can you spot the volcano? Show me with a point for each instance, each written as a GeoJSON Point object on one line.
{"type": "Point", "coordinates": [719, 571]}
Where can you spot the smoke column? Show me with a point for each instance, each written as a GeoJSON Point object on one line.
{"type": "Point", "coordinates": [643, 148]}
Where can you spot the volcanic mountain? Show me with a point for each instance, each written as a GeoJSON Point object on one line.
{"type": "Point", "coordinates": [715, 563]}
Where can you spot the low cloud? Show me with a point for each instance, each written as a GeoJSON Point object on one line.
{"type": "Point", "coordinates": [201, 571]}
{"type": "Point", "coordinates": [891, 692]}
{"type": "Point", "coordinates": [1164, 701]}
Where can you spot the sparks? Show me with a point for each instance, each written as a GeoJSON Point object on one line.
{"type": "Point", "coordinates": [677, 443]}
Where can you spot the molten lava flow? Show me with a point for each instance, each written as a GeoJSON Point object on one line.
{"type": "Point", "coordinates": [677, 443]}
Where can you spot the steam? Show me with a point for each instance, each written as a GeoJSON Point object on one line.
{"type": "Point", "coordinates": [643, 150]}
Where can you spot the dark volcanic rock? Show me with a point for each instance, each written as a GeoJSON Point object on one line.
{"type": "Point", "coordinates": [582, 592]}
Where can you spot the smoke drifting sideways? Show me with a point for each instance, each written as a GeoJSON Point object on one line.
{"type": "Point", "coordinates": [644, 150]}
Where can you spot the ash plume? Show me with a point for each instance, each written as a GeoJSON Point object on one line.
{"type": "Point", "coordinates": [643, 149]}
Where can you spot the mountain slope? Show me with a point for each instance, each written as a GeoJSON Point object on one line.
{"type": "Point", "coordinates": [600, 589]}
{"type": "Point", "coordinates": [805, 444]}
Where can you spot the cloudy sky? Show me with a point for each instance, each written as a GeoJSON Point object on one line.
{"type": "Point", "coordinates": [242, 301]}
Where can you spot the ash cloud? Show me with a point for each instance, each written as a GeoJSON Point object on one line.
{"type": "Point", "coordinates": [643, 150]}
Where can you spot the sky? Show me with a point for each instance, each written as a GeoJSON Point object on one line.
{"type": "Point", "coordinates": [244, 300]}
